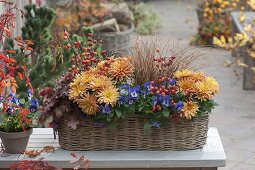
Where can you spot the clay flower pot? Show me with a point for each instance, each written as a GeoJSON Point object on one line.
{"type": "Point", "coordinates": [15, 142]}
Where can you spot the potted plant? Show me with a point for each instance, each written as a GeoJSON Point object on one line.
{"type": "Point", "coordinates": [16, 114]}
{"type": "Point", "coordinates": [148, 101]}
{"type": "Point", "coordinates": [115, 33]}
{"type": "Point", "coordinates": [17, 123]}
{"type": "Point", "coordinates": [214, 20]}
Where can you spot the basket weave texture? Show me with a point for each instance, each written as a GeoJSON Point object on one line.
{"type": "Point", "coordinates": [129, 135]}
{"type": "Point", "coordinates": [114, 41]}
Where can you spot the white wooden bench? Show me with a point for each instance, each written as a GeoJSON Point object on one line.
{"type": "Point", "coordinates": [208, 158]}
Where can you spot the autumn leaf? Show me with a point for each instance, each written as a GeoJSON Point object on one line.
{"type": "Point", "coordinates": [32, 153]}
{"type": "Point", "coordinates": [10, 51]}
{"type": "Point", "coordinates": [29, 42]}
{"type": "Point", "coordinates": [48, 149]}
{"type": "Point", "coordinates": [251, 3]}
{"type": "Point", "coordinates": [24, 112]}
{"type": "Point", "coordinates": [239, 63]}
{"type": "Point", "coordinates": [20, 75]}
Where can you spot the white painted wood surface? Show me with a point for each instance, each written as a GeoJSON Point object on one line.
{"type": "Point", "coordinates": [212, 155]}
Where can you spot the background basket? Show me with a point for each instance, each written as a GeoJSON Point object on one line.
{"type": "Point", "coordinates": [129, 135]}
{"type": "Point", "coordinates": [115, 41]}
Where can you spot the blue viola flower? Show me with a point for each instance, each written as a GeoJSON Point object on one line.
{"type": "Point", "coordinates": [105, 109]}
{"type": "Point", "coordinates": [121, 100]}
{"type": "Point", "coordinates": [124, 89]}
{"type": "Point", "coordinates": [147, 86]}
{"type": "Point", "coordinates": [29, 94]}
{"type": "Point", "coordinates": [155, 100]}
{"type": "Point", "coordinates": [131, 101]}
{"type": "Point", "coordinates": [179, 105]}
{"type": "Point", "coordinates": [172, 81]}
{"type": "Point", "coordinates": [143, 93]}
{"type": "Point", "coordinates": [11, 95]}
{"type": "Point", "coordinates": [134, 92]}
{"type": "Point", "coordinates": [15, 100]}
{"type": "Point", "coordinates": [33, 106]}
{"type": "Point", "coordinates": [98, 124]}
{"type": "Point", "coordinates": [156, 124]}
{"type": "Point", "coordinates": [166, 101]}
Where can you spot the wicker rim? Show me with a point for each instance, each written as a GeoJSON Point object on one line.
{"type": "Point", "coordinates": [129, 31]}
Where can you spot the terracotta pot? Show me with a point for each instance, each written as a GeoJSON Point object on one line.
{"type": "Point", "coordinates": [15, 142]}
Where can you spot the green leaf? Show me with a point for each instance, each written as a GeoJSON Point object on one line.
{"type": "Point", "coordinates": [111, 115]}
{"type": "Point", "coordinates": [166, 112]}
{"type": "Point", "coordinates": [140, 108]}
{"type": "Point", "coordinates": [147, 127]}
{"type": "Point", "coordinates": [111, 126]}
{"type": "Point", "coordinates": [118, 113]}
{"type": "Point", "coordinates": [22, 101]}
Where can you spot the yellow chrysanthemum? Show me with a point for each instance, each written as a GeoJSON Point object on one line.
{"type": "Point", "coordinates": [121, 68]}
{"type": "Point", "coordinates": [186, 85]}
{"type": "Point", "coordinates": [88, 104]}
{"type": "Point", "coordinates": [108, 96]}
{"type": "Point", "coordinates": [100, 83]}
{"type": "Point", "coordinates": [206, 89]}
{"type": "Point", "coordinates": [183, 73]}
{"type": "Point", "coordinates": [77, 88]}
{"type": "Point", "coordinates": [189, 110]}
{"type": "Point", "coordinates": [197, 76]}
{"type": "Point", "coordinates": [88, 76]}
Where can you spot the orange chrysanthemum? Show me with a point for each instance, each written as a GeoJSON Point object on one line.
{"type": "Point", "coordinates": [189, 110]}
{"type": "Point", "coordinates": [88, 104]}
{"type": "Point", "coordinates": [206, 89]}
{"type": "Point", "coordinates": [77, 87]}
{"type": "Point", "coordinates": [100, 83]}
{"type": "Point", "coordinates": [121, 68]}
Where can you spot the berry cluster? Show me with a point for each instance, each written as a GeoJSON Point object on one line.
{"type": "Point", "coordinates": [163, 88]}
{"type": "Point", "coordinates": [84, 54]}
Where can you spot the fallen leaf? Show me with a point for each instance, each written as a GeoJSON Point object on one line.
{"type": "Point", "coordinates": [48, 149]}
{"type": "Point", "coordinates": [32, 153]}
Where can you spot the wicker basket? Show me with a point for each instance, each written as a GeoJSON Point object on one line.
{"type": "Point", "coordinates": [129, 135]}
{"type": "Point", "coordinates": [116, 41]}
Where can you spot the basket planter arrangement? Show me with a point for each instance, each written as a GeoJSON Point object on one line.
{"type": "Point", "coordinates": [151, 100]}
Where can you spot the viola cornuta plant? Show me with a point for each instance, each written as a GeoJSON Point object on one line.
{"type": "Point", "coordinates": [18, 114]}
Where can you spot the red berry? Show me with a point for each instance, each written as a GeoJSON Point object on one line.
{"type": "Point", "coordinates": [90, 34]}
{"type": "Point", "coordinates": [157, 50]}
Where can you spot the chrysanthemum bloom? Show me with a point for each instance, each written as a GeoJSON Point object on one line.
{"type": "Point", "coordinates": [206, 89]}
{"type": "Point", "coordinates": [189, 110]}
{"type": "Point", "coordinates": [88, 76]}
{"type": "Point", "coordinates": [77, 88]}
{"type": "Point", "coordinates": [88, 104]}
{"type": "Point", "coordinates": [108, 96]}
{"type": "Point", "coordinates": [100, 83]}
{"type": "Point", "coordinates": [186, 85]}
{"type": "Point", "coordinates": [121, 68]}
{"type": "Point", "coordinates": [182, 74]}
{"type": "Point", "coordinates": [197, 76]}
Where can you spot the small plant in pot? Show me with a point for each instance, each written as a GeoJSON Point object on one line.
{"type": "Point", "coordinates": [18, 117]}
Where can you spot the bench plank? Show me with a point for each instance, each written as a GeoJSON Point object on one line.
{"type": "Point", "coordinates": [211, 155]}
